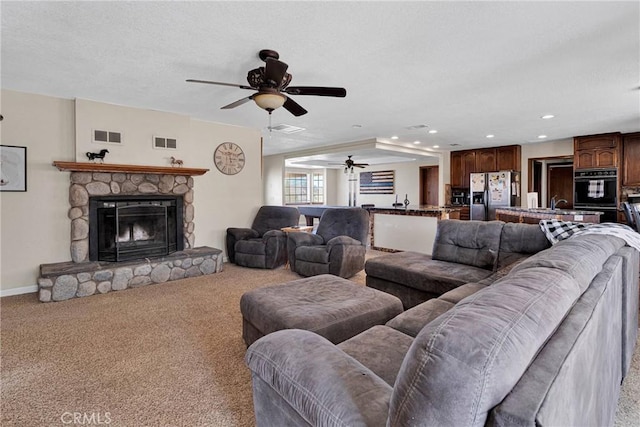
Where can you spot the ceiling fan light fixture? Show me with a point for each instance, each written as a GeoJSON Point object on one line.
{"type": "Point", "coordinates": [269, 101]}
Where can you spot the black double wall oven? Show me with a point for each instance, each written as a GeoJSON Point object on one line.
{"type": "Point", "coordinates": [597, 190]}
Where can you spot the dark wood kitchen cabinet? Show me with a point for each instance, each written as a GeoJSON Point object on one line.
{"type": "Point", "coordinates": [631, 159]}
{"type": "Point", "coordinates": [486, 160]}
{"type": "Point", "coordinates": [456, 170]}
{"type": "Point", "coordinates": [508, 157]}
{"type": "Point", "coordinates": [468, 166]}
{"type": "Point", "coordinates": [597, 151]}
{"type": "Point", "coordinates": [466, 162]}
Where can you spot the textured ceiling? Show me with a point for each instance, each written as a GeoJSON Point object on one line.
{"type": "Point", "coordinates": [465, 69]}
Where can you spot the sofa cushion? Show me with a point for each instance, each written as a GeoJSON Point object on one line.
{"type": "Point", "coordinates": [582, 257]}
{"type": "Point", "coordinates": [381, 349]}
{"type": "Point", "coordinates": [519, 241]}
{"type": "Point", "coordinates": [458, 294]}
{"type": "Point", "coordinates": [318, 254]}
{"type": "Point", "coordinates": [413, 320]}
{"type": "Point", "coordinates": [467, 360]}
{"type": "Point", "coordinates": [251, 246]}
{"type": "Point", "coordinates": [556, 389]}
{"type": "Point", "coordinates": [420, 271]}
{"type": "Point", "coordinates": [474, 243]}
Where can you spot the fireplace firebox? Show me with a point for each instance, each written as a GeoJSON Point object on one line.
{"type": "Point", "coordinates": [124, 228]}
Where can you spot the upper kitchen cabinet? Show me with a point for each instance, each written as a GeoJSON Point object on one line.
{"type": "Point", "coordinates": [466, 162]}
{"type": "Point", "coordinates": [597, 151]}
{"type": "Point", "coordinates": [456, 170]}
{"type": "Point", "coordinates": [468, 166]}
{"type": "Point", "coordinates": [631, 159]}
{"type": "Point", "coordinates": [508, 158]}
{"type": "Point", "coordinates": [486, 160]}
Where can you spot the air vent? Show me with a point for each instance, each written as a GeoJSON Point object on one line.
{"type": "Point", "coordinates": [107, 136]}
{"type": "Point", "coordinates": [165, 143]}
{"type": "Point", "coordinates": [414, 127]}
{"type": "Point", "coordinates": [288, 129]}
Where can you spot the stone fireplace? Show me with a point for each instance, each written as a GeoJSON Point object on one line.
{"type": "Point", "coordinates": [130, 226]}
{"type": "Point", "coordinates": [95, 186]}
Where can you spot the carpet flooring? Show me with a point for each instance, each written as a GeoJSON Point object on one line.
{"type": "Point", "coordinates": [160, 355]}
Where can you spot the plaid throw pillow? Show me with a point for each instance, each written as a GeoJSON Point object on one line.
{"type": "Point", "coordinates": [559, 230]}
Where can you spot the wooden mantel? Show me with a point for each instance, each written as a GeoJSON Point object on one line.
{"type": "Point", "coordinates": [107, 167]}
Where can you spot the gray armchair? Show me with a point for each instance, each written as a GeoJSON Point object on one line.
{"type": "Point", "coordinates": [264, 244]}
{"type": "Point", "coordinates": [337, 248]}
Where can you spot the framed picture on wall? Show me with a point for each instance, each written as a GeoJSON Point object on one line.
{"type": "Point", "coordinates": [13, 168]}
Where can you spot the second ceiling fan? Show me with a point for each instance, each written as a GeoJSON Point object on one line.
{"type": "Point", "coordinates": [349, 164]}
{"type": "Point", "coordinates": [272, 85]}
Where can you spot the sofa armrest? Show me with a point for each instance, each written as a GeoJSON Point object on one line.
{"type": "Point", "coordinates": [235, 234]}
{"type": "Point", "coordinates": [273, 233]}
{"type": "Point", "coordinates": [343, 240]}
{"type": "Point", "coordinates": [242, 233]}
{"type": "Point", "coordinates": [305, 239]}
{"type": "Point", "coordinates": [317, 380]}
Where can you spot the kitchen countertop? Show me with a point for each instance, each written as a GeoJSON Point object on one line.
{"type": "Point", "coordinates": [416, 209]}
{"type": "Point", "coordinates": [550, 211]}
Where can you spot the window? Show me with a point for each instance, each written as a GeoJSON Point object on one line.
{"type": "Point", "coordinates": [303, 188]}
{"type": "Point", "coordinates": [318, 188]}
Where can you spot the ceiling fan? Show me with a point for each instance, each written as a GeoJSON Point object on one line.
{"type": "Point", "coordinates": [272, 85]}
{"type": "Point", "coordinates": [349, 164]}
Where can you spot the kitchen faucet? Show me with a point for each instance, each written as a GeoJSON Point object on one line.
{"type": "Point", "coordinates": [554, 202]}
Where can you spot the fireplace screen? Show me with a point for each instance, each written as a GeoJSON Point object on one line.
{"type": "Point", "coordinates": [128, 229]}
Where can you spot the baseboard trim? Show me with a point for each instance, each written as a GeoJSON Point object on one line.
{"type": "Point", "coordinates": [18, 291]}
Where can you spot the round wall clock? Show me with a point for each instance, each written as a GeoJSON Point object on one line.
{"type": "Point", "coordinates": [229, 158]}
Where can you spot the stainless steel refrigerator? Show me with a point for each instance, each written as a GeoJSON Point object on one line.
{"type": "Point", "coordinates": [493, 190]}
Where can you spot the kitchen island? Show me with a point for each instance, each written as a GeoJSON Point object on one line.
{"type": "Point", "coordinates": [533, 216]}
{"type": "Point", "coordinates": [411, 228]}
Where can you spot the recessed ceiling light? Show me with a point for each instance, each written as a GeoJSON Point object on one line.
{"type": "Point", "coordinates": [436, 146]}
{"type": "Point", "coordinates": [547, 116]}
{"type": "Point", "coordinates": [394, 137]}
{"type": "Point", "coordinates": [433, 131]}
{"type": "Point", "coordinates": [416, 142]}
{"type": "Point", "coordinates": [542, 136]}
{"type": "Point", "coordinates": [490, 136]}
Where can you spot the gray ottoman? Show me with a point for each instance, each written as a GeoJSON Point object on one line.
{"type": "Point", "coordinates": [328, 305]}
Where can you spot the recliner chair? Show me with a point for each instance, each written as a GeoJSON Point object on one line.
{"type": "Point", "coordinates": [338, 247]}
{"type": "Point", "coordinates": [263, 245]}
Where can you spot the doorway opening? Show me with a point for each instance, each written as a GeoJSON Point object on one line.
{"type": "Point", "coordinates": [552, 176]}
{"type": "Point", "coordinates": [429, 184]}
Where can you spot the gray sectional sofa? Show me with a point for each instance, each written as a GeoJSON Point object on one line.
{"type": "Point", "coordinates": [545, 340]}
{"type": "Point", "coordinates": [463, 252]}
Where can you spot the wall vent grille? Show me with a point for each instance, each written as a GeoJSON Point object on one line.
{"type": "Point", "coordinates": [165, 143]}
{"type": "Point", "coordinates": [107, 136]}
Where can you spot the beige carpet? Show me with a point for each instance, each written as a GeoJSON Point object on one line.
{"type": "Point", "coordinates": [160, 355]}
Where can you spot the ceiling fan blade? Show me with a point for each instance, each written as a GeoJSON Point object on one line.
{"type": "Point", "coordinates": [316, 90]}
{"type": "Point", "coordinates": [294, 108]}
{"type": "Point", "coordinates": [237, 103]}
{"type": "Point", "coordinates": [360, 165]}
{"type": "Point", "coordinates": [219, 83]}
{"type": "Point", "coordinates": [274, 71]}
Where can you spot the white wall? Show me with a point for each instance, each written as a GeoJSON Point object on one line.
{"type": "Point", "coordinates": [34, 228]}
{"type": "Point", "coordinates": [34, 225]}
{"type": "Point", "coordinates": [273, 179]}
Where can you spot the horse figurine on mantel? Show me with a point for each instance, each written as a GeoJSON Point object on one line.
{"type": "Point", "coordinates": [176, 162]}
{"type": "Point", "coordinates": [93, 156]}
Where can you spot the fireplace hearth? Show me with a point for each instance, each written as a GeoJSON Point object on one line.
{"type": "Point", "coordinates": [123, 228]}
